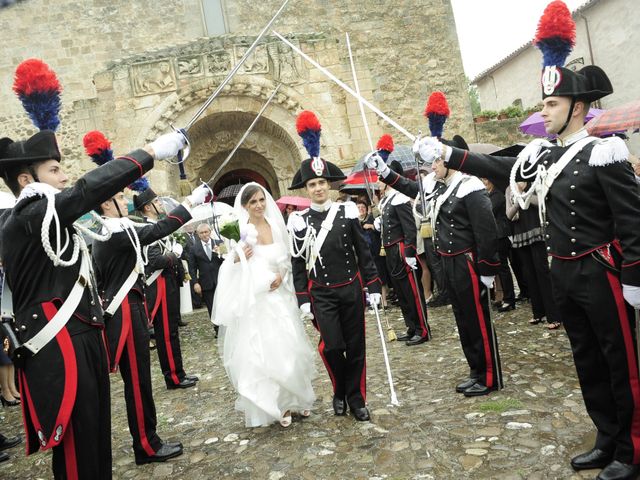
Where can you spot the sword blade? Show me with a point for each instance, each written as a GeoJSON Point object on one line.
{"type": "Point", "coordinates": [245, 135]}
{"type": "Point", "coordinates": [367, 183]}
{"type": "Point", "coordinates": [233, 71]}
{"type": "Point", "coordinates": [348, 89]}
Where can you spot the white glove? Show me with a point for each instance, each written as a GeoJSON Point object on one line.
{"type": "Point", "coordinates": [376, 223]}
{"type": "Point", "coordinates": [177, 250]}
{"type": "Point", "coordinates": [375, 298]}
{"type": "Point", "coordinates": [375, 161]}
{"type": "Point", "coordinates": [487, 280]}
{"type": "Point", "coordinates": [168, 145]}
{"type": "Point", "coordinates": [305, 309]}
{"type": "Point", "coordinates": [429, 148]}
{"type": "Point", "coordinates": [412, 262]}
{"type": "Point", "coordinates": [199, 195]}
{"type": "Point", "coordinates": [631, 294]}
{"type": "Point", "coordinates": [296, 223]}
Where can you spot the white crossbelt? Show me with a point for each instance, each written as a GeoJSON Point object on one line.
{"type": "Point", "coordinates": [153, 277]}
{"type": "Point", "coordinates": [325, 228]}
{"type": "Point", "coordinates": [62, 316]}
{"type": "Point", "coordinates": [119, 297]}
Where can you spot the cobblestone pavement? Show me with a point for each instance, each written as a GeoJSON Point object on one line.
{"type": "Point", "coordinates": [528, 430]}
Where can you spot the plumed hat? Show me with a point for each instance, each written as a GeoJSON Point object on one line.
{"type": "Point", "coordinates": [38, 89]}
{"type": "Point", "coordinates": [309, 129]}
{"type": "Point", "coordinates": [556, 37]}
{"type": "Point", "coordinates": [437, 111]}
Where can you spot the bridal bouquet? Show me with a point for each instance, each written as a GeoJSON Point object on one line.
{"type": "Point", "coordinates": [229, 227]}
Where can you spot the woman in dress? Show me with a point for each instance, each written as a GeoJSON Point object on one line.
{"type": "Point", "coordinates": [262, 342]}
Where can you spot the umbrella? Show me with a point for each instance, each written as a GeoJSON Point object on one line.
{"type": "Point", "coordinates": [357, 187]}
{"type": "Point", "coordinates": [401, 153]}
{"type": "Point", "coordinates": [229, 193]}
{"type": "Point", "coordinates": [298, 202]}
{"type": "Point", "coordinates": [534, 125]}
{"type": "Point", "coordinates": [7, 200]}
{"type": "Point", "coordinates": [617, 119]}
{"type": "Point", "coordinates": [206, 213]}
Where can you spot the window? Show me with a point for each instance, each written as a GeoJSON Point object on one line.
{"type": "Point", "coordinates": [213, 13]}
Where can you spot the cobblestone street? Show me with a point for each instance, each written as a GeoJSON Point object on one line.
{"type": "Point", "coordinates": [528, 430]}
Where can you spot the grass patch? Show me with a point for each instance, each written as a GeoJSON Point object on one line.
{"type": "Point", "coordinates": [499, 406]}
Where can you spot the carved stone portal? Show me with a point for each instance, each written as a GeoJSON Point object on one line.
{"type": "Point", "coordinates": [149, 78]}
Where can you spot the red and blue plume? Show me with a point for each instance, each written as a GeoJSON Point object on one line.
{"type": "Point", "coordinates": [97, 147]}
{"type": "Point", "coordinates": [39, 91]}
{"type": "Point", "coordinates": [140, 185]}
{"type": "Point", "coordinates": [556, 34]}
{"type": "Point", "coordinates": [385, 146]}
{"type": "Point", "coordinates": [309, 129]}
{"type": "Point", "coordinates": [437, 111]}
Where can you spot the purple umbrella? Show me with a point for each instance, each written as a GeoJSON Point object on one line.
{"type": "Point", "coordinates": [534, 125]}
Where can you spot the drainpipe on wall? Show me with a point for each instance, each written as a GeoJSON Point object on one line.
{"type": "Point", "coordinates": [495, 90]}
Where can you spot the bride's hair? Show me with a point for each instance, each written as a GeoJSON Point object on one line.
{"type": "Point", "coordinates": [248, 192]}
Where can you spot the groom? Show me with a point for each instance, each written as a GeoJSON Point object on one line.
{"type": "Point", "coordinates": [329, 275]}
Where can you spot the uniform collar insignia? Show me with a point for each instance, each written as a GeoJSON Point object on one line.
{"type": "Point", "coordinates": [321, 207]}
{"type": "Point", "coordinates": [573, 138]}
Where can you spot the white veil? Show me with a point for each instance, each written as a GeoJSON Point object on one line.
{"type": "Point", "coordinates": [236, 288]}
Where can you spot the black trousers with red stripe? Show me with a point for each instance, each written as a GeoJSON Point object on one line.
{"type": "Point", "coordinates": [339, 317]}
{"type": "Point", "coordinates": [470, 302]}
{"type": "Point", "coordinates": [166, 328]}
{"type": "Point", "coordinates": [85, 450]}
{"type": "Point", "coordinates": [410, 294]}
{"type": "Point", "coordinates": [135, 369]}
{"type": "Point", "coordinates": [600, 326]}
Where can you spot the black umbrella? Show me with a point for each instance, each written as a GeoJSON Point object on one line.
{"type": "Point", "coordinates": [229, 193]}
{"type": "Point", "coordinates": [401, 153]}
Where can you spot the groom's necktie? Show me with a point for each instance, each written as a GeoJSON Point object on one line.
{"type": "Point", "coordinates": [207, 250]}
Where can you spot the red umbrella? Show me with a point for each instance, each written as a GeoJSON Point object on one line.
{"type": "Point", "coordinates": [622, 118]}
{"type": "Point", "coordinates": [298, 202]}
{"type": "Point", "coordinates": [357, 178]}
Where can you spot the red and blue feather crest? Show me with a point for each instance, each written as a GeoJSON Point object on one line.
{"type": "Point", "coordinates": [385, 146]}
{"type": "Point", "coordinates": [437, 111]}
{"type": "Point", "coordinates": [308, 127]}
{"type": "Point", "coordinates": [556, 34]}
{"type": "Point", "coordinates": [39, 91]}
{"type": "Point", "coordinates": [98, 147]}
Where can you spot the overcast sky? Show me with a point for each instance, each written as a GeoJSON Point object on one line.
{"type": "Point", "coordinates": [489, 30]}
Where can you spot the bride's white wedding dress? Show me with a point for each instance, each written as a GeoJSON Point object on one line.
{"type": "Point", "coordinates": [265, 349]}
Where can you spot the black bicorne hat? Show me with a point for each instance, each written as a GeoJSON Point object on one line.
{"type": "Point", "coordinates": [396, 166]}
{"type": "Point", "coordinates": [41, 146]}
{"type": "Point", "coordinates": [588, 84]}
{"type": "Point", "coordinates": [316, 168]}
{"type": "Point", "coordinates": [144, 198]}
{"type": "Point", "coordinates": [457, 141]}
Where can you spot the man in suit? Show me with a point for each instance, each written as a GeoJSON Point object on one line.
{"type": "Point", "coordinates": [204, 263]}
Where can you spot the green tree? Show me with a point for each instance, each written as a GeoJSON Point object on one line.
{"type": "Point", "coordinates": [474, 99]}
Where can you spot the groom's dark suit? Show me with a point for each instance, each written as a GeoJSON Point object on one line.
{"type": "Point", "coordinates": [204, 270]}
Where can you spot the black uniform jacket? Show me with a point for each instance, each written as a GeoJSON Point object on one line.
{"type": "Point", "coordinates": [397, 221]}
{"type": "Point", "coordinates": [593, 201]}
{"type": "Point", "coordinates": [465, 223]}
{"type": "Point", "coordinates": [39, 289]}
{"type": "Point", "coordinates": [114, 261]}
{"type": "Point", "coordinates": [345, 254]}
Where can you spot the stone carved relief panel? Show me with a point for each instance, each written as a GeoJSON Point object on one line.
{"type": "Point", "coordinates": [257, 62]}
{"type": "Point", "coordinates": [149, 78]}
{"type": "Point", "coordinates": [190, 66]}
{"type": "Point", "coordinates": [218, 63]}
{"type": "Point", "coordinates": [288, 66]}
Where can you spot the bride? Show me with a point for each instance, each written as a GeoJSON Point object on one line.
{"type": "Point", "coordinates": [262, 341]}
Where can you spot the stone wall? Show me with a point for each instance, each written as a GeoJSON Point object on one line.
{"type": "Point", "coordinates": [499, 132]}
{"type": "Point", "coordinates": [133, 68]}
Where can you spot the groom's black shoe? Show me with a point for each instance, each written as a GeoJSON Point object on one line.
{"type": "Point", "coordinates": [339, 406]}
{"type": "Point", "coordinates": [594, 458]}
{"type": "Point", "coordinates": [361, 414]}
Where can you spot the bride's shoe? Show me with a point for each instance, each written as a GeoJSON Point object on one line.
{"type": "Point", "coordinates": [285, 420]}
{"type": "Point", "coordinates": [305, 413]}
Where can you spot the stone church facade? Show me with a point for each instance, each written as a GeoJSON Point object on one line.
{"type": "Point", "coordinates": [132, 69]}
